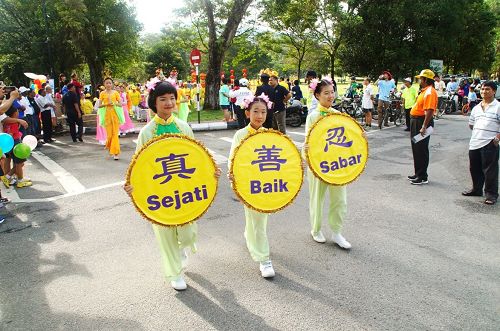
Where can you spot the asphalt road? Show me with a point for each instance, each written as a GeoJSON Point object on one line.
{"type": "Point", "coordinates": [75, 255]}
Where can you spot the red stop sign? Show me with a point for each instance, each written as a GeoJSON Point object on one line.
{"type": "Point", "coordinates": [195, 57]}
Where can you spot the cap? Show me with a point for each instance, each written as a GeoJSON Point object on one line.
{"type": "Point", "coordinates": [407, 79]}
{"type": "Point", "coordinates": [243, 82]}
{"type": "Point", "coordinates": [23, 89]}
{"type": "Point", "coordinates": [87, 95]}
{"type": "Point", "coordinates": [426, 73]}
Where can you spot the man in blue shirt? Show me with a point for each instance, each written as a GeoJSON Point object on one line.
{"type": "Point", "coordinates": [452, 85]}
{"type": "Point", "coordinates": [385, 86]}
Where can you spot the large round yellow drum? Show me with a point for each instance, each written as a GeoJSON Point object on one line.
{"type": "Point", "coordinates": [173, 180]}
{"type": "Point", "coordinates": [337, 149]}
{"type": "Point", "coordinates": [267, 171]}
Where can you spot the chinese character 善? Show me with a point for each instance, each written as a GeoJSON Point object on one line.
{"type": "Point", "coordinates": [336, 137]}
{"type": "Point", "coordinates": [173, 165]}
{"type": "Point", "coordinates": [269, 158]}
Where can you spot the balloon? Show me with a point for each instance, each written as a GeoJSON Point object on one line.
{"type": "Point", "coordinates": [1, 152]}
{"type": "Point", "coordinates": [31, 141]}
{"type": "Point", "coordinates": [6, 142]}
{"type": "Point", "coordinates": [22, 151]}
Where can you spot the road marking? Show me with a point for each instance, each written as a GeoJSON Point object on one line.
{"type": "Point", "coordinates": [299, 144]}
{"type": "Point", "coordinates": [67, 180]}
{"type": "Point", "coordinates": [15, 197]}
{"type": "Point", "coordinates": [219, 159]}
{"type": "Point", "coordinates": [227, 139]}
{"type": "Point", "coordinates": [297, 133]}
{"type": "Point", "coordinates": [54, 146]}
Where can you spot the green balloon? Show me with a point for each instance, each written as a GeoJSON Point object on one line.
{"type": "Point", "coordinates": [22, 151]}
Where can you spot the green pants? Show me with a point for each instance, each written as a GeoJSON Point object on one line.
{"type": "Point", "coordinates": [256, 235]}
{"type": "Point", "coordinates": [337, 206]}
{"type": "Point", "coordinates": [171, 240]}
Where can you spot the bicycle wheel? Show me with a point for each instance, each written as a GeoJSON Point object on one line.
{"type": "Point", "coordinates": [399, 118]}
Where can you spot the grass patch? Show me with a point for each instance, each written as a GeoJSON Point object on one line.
{"type": "Point", "coordinates": [207, 115]}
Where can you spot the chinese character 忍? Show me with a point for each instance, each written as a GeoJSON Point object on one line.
{"type": "Point", "coordinates": [336, 137]}
{"type": "Point", "coordinates": [173, 165]}
{"type": "Point", "coordinates": [268, 159]}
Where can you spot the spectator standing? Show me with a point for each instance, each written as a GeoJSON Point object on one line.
{"type": "Point", "coordinates": [484, 121]}
{"type": "Point", "coordinates": [385, 87]}
{"type": "Point", "coordinates": [45, 107]}
{"type": "Point", "coordinates": [409, 97]}
{"type": "Point", "coordinates": [36, 118]}
{"type": "Point", "coordinates": [367, 102]}
{"type": "Point", "coordinates": [29, 112]}
{"type": "Point", "coordinates": [52, 103]}
{"type": "Point", "coordinates": [232, 100]}
{"type": "Point", "coordinates": [281, 97]}
{"type": "Point", "coordinates": [71, 107]}
{"type": "Point", "coordinates": [440, 87]}
{"type": "Point", "coordinates": [268, 90]}
{"type": "Point", "coordinates": [224, 99]}
{"type": "Point", "coordinates": [296, 91]}
{"type": "Point", "coordinates": [62, 81]}
{"type": "Point", "coordinates": [422, 115]}
{"type": "Point", "coordinates": [78, 86]}
{"type": "Point", "coordinates": [241, 94]}
{"type": "Point", "coordinates": [452, 85]}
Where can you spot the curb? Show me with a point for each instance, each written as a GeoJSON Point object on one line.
{"type": "Point", "coordinates": [196, 127]}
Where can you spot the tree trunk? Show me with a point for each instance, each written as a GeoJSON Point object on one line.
{"type": "Point", "coordinates": [332, 65]}
{"type": "Point", "coordinates": [215, 61]}
{"type": "Point", "coordinates": [95, 68]}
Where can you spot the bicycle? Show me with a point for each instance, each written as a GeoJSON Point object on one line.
{"type": "Point", "coordinates": [395, 112]}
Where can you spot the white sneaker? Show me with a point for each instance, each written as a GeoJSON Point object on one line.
{"type": "Point", "coordinates": [179, 284]}
{"type": "Point", "coordinates": [318, 237]}
{"type": "Point", "coordinates": [340, 240]}
{"type": "Point", "coordinates": [184, 258]}
{"type": "Point", "coordinates": [266, 269]}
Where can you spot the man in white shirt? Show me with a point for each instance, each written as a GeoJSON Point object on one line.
{"type": "Point", "coordinates": [241, 94]}
{"type": "Point", "coordinates": [46, 104]}
{"type": "Point", "coordinates": [440, 87]}
{"type": "Point", "coordinates": [29, 112]}
{"type": "Point", "coordinates": [484, 122]}
{"type": "Point", "coordinates": [367, 102]}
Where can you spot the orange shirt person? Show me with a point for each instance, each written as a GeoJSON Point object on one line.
{"type": "Point", "coordinates": [421, 118]}
{"type": "Point", "coordinates": [110, 98]}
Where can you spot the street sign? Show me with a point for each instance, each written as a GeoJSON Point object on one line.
{"type": "Point", "coordinates": [436, 66]}
{"type": "Point", "coordinates": [195, 57]}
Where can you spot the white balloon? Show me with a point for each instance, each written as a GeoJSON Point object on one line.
{"type": "Point", "coordinates": [31, 141]}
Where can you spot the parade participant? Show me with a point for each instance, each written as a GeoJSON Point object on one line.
{"type": "Point", "coordinates": [109, 99]}
{"type": "Point", "coordinates": [100, 134]}
{"type": "Point", "coordinates": [256, 222]}
{"type": "Point", "coordinates": [422, 115]}
{"type": "Point", "coordinates": [128, 126]}
{"type": "Point", "coordinates": [409, 97]}
{"type": "Point", "coordinates": [172, 240]}
{"type": "Point", "coordinates": [484, 122]}
{"type": "Point", "coordinates": [182, 103]}
{"type": "Point", "coordinates": [135, 98]}
{"type": "Point", "coordinates": [241, 95]}
{"type": "Point", "coordinates": [385, 87]}
{"type": "Point", "coordinates": [86, 104]}
{"type": "Point", "coordinates": [324, 93]}
{"type": "Point", "coordinates": [367, 102]}
{"type": "Point", "coordinates": [281, 97]}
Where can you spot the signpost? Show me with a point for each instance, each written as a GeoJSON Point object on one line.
{"type": "Point", "coordinates": [195, 58]}
{"type": "Point", "coordinates": [436, 66]}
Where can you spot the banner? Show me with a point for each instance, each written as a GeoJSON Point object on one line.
{"type": "Point", "coordinates": [267, 171]}
{"type": "Point", "coordinates": [337, 150]}
{"type": "Point", "coordinates": [173, 177]}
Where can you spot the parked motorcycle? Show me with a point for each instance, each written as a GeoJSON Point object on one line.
{"type": "Point", "coordinates": [296, 113]}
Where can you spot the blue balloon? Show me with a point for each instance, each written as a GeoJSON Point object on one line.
{"type": "Point", "coordinates": [6, 142]}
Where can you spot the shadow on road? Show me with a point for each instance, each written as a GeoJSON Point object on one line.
{"type": "Point", "coordinates": [24, 304]}
{"type": "Point", "coordinates": [227, 314]}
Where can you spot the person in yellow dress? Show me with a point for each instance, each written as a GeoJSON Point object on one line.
{"type": "Point", "coordinates": [86, 104]}
{"type": "Point", "coordinates": [109, 99]}
{"type": "Point", "coordinates": [135, 98]}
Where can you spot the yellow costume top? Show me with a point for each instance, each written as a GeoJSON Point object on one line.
{"type": "Point", "coordinates": [87, 106]}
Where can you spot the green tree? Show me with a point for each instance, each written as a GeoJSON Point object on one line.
{"type": "Point", "coordinates": [106, 32]}
{"type": "Point", "coordinates": [222, 20]}
{"type": "Point", "coordinates": [294, 21]}
{"type": "Point", "coordinates": [166, 56]}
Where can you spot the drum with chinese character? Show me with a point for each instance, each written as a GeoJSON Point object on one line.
{"type": "Point", "coordinates": [267, 171]}
{"type": "Point", "coordinates": [174, 182]}
{"type": "Point", "coordinates": [337, 149]}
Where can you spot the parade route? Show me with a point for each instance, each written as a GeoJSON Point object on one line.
{"type": "Point", "coordinates": [76, 255]}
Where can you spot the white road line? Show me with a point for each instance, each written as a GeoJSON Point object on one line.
{"type": "Point", "coordinates": [376, 129]}
{"type": "Point", "coordinates": [54, 146]}
{"type": "Point", "coordinates": [15, 198]}
{"type": "Point", "coordinates": [10, 193]}
{"type": "Point", "coordinates": [219, 159]}
{"type": "Point", "coordinates": [297, 133]}
{"type": "Point", "coordinates": [64, 144]}
{"type": "Point", "coordinates": [299, 144]}
{"type": "Point", "coordinates": [227, 139]}
{"type": "Point", "coordinates": [67, 180]}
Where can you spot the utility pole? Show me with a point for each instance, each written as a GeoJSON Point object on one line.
{"type": "Point", "coordinates": [47, 40]}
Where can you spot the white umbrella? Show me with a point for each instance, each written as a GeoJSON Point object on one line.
{"type": "Point", "coordinates": [33, 76]}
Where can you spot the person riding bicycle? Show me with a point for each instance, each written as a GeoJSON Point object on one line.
{"type": "Point", "coordinates": [385, 87]}
{"type": "Point", "coordinates": [353, 88]}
